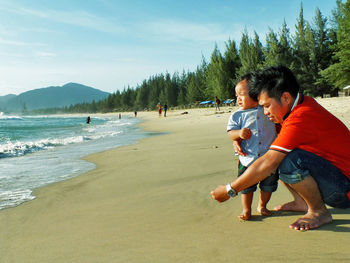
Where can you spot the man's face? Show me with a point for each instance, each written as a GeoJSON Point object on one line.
{"type": "Point", "coordinates": [273, 109]}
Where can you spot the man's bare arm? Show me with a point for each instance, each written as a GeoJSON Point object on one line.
{"type": "Point", "coordinates": [256, 172]}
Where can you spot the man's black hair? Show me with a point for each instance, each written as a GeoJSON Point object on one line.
{"type": "Point", "coordinates": [274, 81]}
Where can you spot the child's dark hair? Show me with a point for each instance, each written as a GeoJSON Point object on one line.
{"type": "Point", "coordinates": [247, 77]}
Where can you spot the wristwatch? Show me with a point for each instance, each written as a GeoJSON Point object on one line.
{"type": "Point", "coordinates": [230, 191]}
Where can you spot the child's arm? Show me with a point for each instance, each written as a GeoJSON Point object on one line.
{"type": "Point", "coordinates": [237, 136]}
{"type": "Point", "coordinates": [243, 134]}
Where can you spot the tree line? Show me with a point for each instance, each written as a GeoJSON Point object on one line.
{"type": "Point", "coordinates": [318, 53]}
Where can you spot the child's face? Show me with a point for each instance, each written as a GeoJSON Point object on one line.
{"type": "Point", "coordinates": [243, 99]}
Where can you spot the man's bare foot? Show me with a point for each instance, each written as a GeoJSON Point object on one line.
{"type": "Point", "coordinates": [264, 211]}
{"type": "Point", "coordinates": [312, 220]}
{"type": "Point", "coordinates": [293, 206]}
{"type": "Point", "coordinates": [245, 216]}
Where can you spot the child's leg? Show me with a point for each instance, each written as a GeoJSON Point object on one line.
{"type": "Point", "coordinates": [247, 206]}
{"type": "Point", "coordinates": [267, 186]}
{"type": "Point", "coordinates": [247, 196]}
{"type": "Point", "coordinates": [264, 199]}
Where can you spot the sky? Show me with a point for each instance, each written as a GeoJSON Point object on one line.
{"type": "Point", "coordinates": [114, 44]}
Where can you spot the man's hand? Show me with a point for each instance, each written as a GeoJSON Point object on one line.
{"type": "Point", "coordinates": [245, 133]}
{"type": "Point", "coordinates": [220, 194]}
{"type": "Point", "coordinates": [238, 149]}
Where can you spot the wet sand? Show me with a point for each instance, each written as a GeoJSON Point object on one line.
{"type": "Point", "coordinates": [150, 202]}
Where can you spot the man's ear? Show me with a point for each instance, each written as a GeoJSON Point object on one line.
{"type": "Point", "coordinates": [287, 98]}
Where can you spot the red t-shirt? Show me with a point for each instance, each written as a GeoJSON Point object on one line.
{"type": "Point", "coordinates": [312, 128]}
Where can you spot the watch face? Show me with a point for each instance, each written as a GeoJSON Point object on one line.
{"type": "Point", "coordinates": [231, 192]}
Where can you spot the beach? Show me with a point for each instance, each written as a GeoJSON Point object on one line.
{"type": "Point", "coordinates": [150, 202]}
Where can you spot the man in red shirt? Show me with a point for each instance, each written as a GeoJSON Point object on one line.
{"type": "Point", "coordinates": [311, 153]}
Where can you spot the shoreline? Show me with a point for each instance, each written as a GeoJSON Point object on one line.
{"type": "Point", "coordinates": [39, 158]}
{"type": "Point", "coordinates": [150, 202]}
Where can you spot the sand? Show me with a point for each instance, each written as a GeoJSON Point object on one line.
{"type": "Point", "coordinates": [150, 202]}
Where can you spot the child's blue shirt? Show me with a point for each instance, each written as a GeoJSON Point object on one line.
{"type": "Point", "coordinates": [263, 132]}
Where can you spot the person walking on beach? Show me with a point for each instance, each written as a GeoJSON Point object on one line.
{"type": "Point", "coordinates": [311, 152]}
{"type": "Point", "coordinates": [217, 103]}
{"type": "Point", "coordinates": [249, 125]}
{"type": "Point", "coordinates": [165, 108]}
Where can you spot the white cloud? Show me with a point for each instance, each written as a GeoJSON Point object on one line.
{"type": "Point", "coordinates": [76, 18]}
{"type": "Point", "coordinates": [19, 43]}
{"type": "Point", "coordinates": [42, 54]}
{"type": "Point", "coordinates": [79, 18]}
{"type": "Point", "coordinates": [173, 30]}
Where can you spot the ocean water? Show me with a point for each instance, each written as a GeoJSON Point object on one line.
{"type": "Point", "coordinates": [37, 151]}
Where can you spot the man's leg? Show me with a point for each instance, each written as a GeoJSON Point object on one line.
{"type": "Point", "coordinates": [317, 213]}
{"type": "Point", "coordinates": [313, 181]}
{"type": "Point", "coordinates": [297, 205]}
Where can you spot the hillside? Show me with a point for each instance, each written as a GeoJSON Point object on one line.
{"type": "Point", "coordinates": [51, 97]}
{"type": "Point", "coordinates": [5, 99]}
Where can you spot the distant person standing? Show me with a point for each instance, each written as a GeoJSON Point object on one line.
{"type": "Point", "coordinates": [165, 108]}
{"type": "Point", "coordinates": [217, 103]}
{"type": "Point", "coordinates": [159, 109]}
{"type": "Point", "coordinates": [135, 112]}
{"type": "Point", "coordinates": [88, 120]}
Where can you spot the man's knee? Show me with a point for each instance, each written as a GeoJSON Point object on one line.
{"type": "Point", "coordinates": [291, 170]}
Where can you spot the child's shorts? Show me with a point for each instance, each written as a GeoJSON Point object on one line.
{"type": "Point", "coordinates": [269, 184]}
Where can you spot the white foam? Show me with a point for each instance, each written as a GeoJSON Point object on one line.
{"type": "Point", "coordinates": [15, 197]}
{"type": "Point", "coordinates": [5, 117]}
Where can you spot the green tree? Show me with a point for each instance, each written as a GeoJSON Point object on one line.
{"type": "Point", "coordinates": [286, 53]}
{"type": "Point", "coordinates": [323, 54]}
{"type": "Point", "coordinates": [250, 53]}
{"type": "Point", "coordinates": [272, 49]}
{"type": "Point", "coordinates": [299, 49]}
{"type": "Point", "coordinates": [142, 94]}
{"type": "Point", "coordinates": [338, 73]}
{"type": "Point", "coordinates": [215, 77]}
{"type": "Point", "coordinates": [232, 64]}
{"type": "Point", "coordinates": [196, 83]}
{"type": "Point", "coordinates": [278, 50]}
{"type": "Point", "coordinates": [182, 82]}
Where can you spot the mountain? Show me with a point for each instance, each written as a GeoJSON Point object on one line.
{"type": "Point", "coordinates": [52, 97]}
{"type": "Point", "coordinates": [5, 99]}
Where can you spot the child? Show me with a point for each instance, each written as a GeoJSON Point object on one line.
{"type": "Point", "coordinates": [255, 132]}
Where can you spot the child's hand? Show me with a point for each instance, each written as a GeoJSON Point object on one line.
{"type": "Point", "coordinates": [238, 149]}
{"type": "Point", "coordinates": [245, 134]}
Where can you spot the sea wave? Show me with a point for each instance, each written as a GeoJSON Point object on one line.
{"type": "Point", "coordinates": [6, 117]}
{"type": "Point", "coordinates": [15, 197]}
{"type": "Point", "coordinates": [19, 148]}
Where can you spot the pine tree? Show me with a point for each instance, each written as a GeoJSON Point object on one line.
{"type": "Point", "coordinates": [323, 53]}
{"type": "Point", "coordinates": [338, 73]}
{"type": "Point", "coordinates": [251, 53]}
{"type": "Point", "coordinates": [272, 49]}
{"type": "Point", "coordinates": [278, 50]}
{"type": "Point", "coordinates": [301, 48]}
{"type": "Point", "coordinates": [232, 65]}
{"type": "Point", "coordinates": [215, 77]}
{"type": "Point", "coordinates": [196, 83]}
{"type": "Point", "coordinates": [285, 52]}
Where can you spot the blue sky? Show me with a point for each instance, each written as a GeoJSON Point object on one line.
{"type": "Point", "coordinates": [110, 44]}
